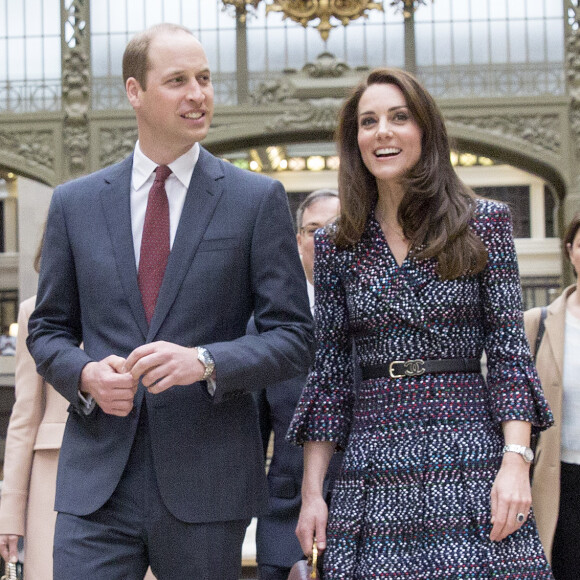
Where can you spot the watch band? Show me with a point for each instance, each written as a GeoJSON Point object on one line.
{"type": "Point", "coordinates": [526, 452]}
{"type": "Point", "coordinates": [204, 356]}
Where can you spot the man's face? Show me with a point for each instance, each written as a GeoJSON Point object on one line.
{"type": "Point", "coordinates": [315, 216]}
{"type": "Point", "coordinates": [176, 109]}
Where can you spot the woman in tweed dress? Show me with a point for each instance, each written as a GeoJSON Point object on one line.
{"type": "Point", "coordinates": [435, 478]}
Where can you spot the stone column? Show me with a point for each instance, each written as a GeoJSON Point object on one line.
{"type": "Point", "coordinates": [410, 56]}
{"type": "Point", "coordinates": [571, 203]}
{"type": "Point", "coordinates": [242, 57]}
{"type": "Point", "coordinates": [76, 59]}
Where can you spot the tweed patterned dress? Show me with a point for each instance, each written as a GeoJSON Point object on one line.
{"type": "Point", "coordinates": [413, 498]}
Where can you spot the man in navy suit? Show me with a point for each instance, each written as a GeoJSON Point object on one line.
{"type": "Point", "coordinates": [277, 547]}
{"type": "Point", "coordinates": [161, 461]}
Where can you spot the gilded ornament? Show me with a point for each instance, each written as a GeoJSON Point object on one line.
{"type": "Point", "coordinates": [240, 7]}
{"type": "Point", "coordinates": [304, 11]}
{"type": "Point", "coordinates": [407, 7]}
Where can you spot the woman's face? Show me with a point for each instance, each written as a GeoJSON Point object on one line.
{"type": "Point", "coordinates": [574, 252]}
{"type": "Point", "coordinates": [389, 138]}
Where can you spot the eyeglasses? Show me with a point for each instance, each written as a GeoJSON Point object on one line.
{"type": "Point", "coordinates": [309, 230]}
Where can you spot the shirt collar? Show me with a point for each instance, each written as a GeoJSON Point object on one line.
{"type": "Point", "coordinates": [310, 289]}
{"type": "Point", "coordinates": [182, 167]}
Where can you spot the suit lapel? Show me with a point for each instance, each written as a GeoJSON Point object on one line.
{"type": "Point", "coordinates": [115, 198]}
{"type": "Point", "coordinates": [202, 197]}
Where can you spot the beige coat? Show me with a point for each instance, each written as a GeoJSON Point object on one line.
{"type": "Point", "coordinates": [32, 445]}
{"type": "Point", "coordinates": [33, 442]}
{"type": "Point", "coordinates": [549, 361]}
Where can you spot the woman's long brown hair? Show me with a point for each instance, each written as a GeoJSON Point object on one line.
{"type": "Point", "coordinates": [437, 206]}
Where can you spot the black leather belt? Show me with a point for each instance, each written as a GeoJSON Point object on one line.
{"type": "Point", "coordinates": [414, 368]}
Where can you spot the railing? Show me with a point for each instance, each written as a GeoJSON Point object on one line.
{"type": "Point", "coordinates": [30, 96]}
{"type": "Point", "coordinates": [491, 80]}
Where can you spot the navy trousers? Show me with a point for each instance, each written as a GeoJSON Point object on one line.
{"type": "Point", "coordinates": [134, 530]}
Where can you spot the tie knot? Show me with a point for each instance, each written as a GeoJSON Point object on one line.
{"type": "Point", "coordinates": [162, 173]}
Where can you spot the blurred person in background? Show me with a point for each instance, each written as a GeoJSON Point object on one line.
{"type": "Point", "coordinates": [277, 547]}
{"type": "Point", "coordinates": [556, 480]}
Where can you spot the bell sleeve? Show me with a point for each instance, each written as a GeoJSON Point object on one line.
{"type": "Point", "coordinates": [513, 383]}
{"type": "Point", "coordinates": [324, 411]}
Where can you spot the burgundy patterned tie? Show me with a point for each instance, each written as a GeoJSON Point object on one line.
{"type": "Point", "coordinates": [155, 242]}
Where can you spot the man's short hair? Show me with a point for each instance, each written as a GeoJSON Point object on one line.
{"type": "Point", "coordinates": [136, 55]}
{"type": "Point", "coordinates": [311, 198]}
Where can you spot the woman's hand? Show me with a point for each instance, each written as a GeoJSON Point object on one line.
{"type": "Point", "coordinates": [510, 495]}
{"type": "Point", "coordinates": [314, 512]}
{"type": "Point", "coordinates": [312, 524]}
{"type": "Point", "coordinates": [9, 547]}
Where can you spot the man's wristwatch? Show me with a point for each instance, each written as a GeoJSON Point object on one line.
{"type": "Point", "coordinates": [207, 361]}
{"type": "Point", "coordinates": [522, 450]}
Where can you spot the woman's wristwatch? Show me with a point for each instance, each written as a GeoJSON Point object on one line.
{"type": "Point", "coordinates": [525, 452]}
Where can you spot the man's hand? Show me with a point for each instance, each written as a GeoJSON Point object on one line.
{"type": "Point", "coordinates": [110, 386]}
{"type": "Point", "coordinates": [162, 365]}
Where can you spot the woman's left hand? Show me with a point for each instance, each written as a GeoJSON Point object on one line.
{"type": "Point", "coordinates": [511, 497]}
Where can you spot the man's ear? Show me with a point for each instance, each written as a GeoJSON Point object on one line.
{"type": "Point", "coordinates": [133, 89]}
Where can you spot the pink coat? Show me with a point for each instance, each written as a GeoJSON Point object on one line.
{"type": "Point", "coordinates": [32, 445]}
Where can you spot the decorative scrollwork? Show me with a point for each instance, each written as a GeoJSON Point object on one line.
{"type": "Point", "coordinates": [326, 66]}
{"type": "Point", "coordinates": [315, 113]}
{"type": "Point", "coordinates": [75, 85]}
{"type": "Point", "coordinates": [573, 69]}
{"type": "Point", "coordinates": [240, 9]}
{"type": "Point", "coordinates": [76, 143]}
{"type": "Point", "coordinates": [303, 11]}
{"type": "Point", "coordinates": [274, 91]}
{"type": "Point", "coordinates": [75, 24]}
{"type": "Point", "coordinates": [573, 14]}
{"type": "Point", "coordinates": [116, 144]}
{"type": "Point", "coordinates": [539, 131]}
{"type": "Point", "coordinates": [37, 147]}
{"type": "Point", "coordinates": [407, 7]}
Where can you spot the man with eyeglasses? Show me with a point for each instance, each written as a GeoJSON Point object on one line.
{"type": "Point", "coordinates": [318, 209]}
{"type": "Point", "coordinates": [277, 546]}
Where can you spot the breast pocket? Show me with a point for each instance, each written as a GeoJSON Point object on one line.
{"type": "Point", "coordinates": [219, 270]}
{"type": "Point", "coordinates": [216, 244]}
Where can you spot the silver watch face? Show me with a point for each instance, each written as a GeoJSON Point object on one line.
{"type": "Point", "coordinates": [528, 455]}
{"type": "Point", "coordinates": [203, 356]}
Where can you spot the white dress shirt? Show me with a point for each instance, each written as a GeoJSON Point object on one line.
{"type": "Point", "coordinates": [571, 391]}
{"type": "Point", "coordinates": [176, 186]}
{"type": "Point", "coordinates": [310, 289]}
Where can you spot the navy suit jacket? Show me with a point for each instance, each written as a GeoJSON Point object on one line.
{"type": "Point", "coordinates": [234, 254]}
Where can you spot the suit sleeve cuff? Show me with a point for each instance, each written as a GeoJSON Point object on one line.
{"type": "Point", "coordinates": [211, 386]}
{"type": "Point", "coordinates": [87, 403]}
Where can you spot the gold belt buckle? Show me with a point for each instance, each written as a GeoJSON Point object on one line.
{"type": "Point", "coordinates": [413, 368]}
